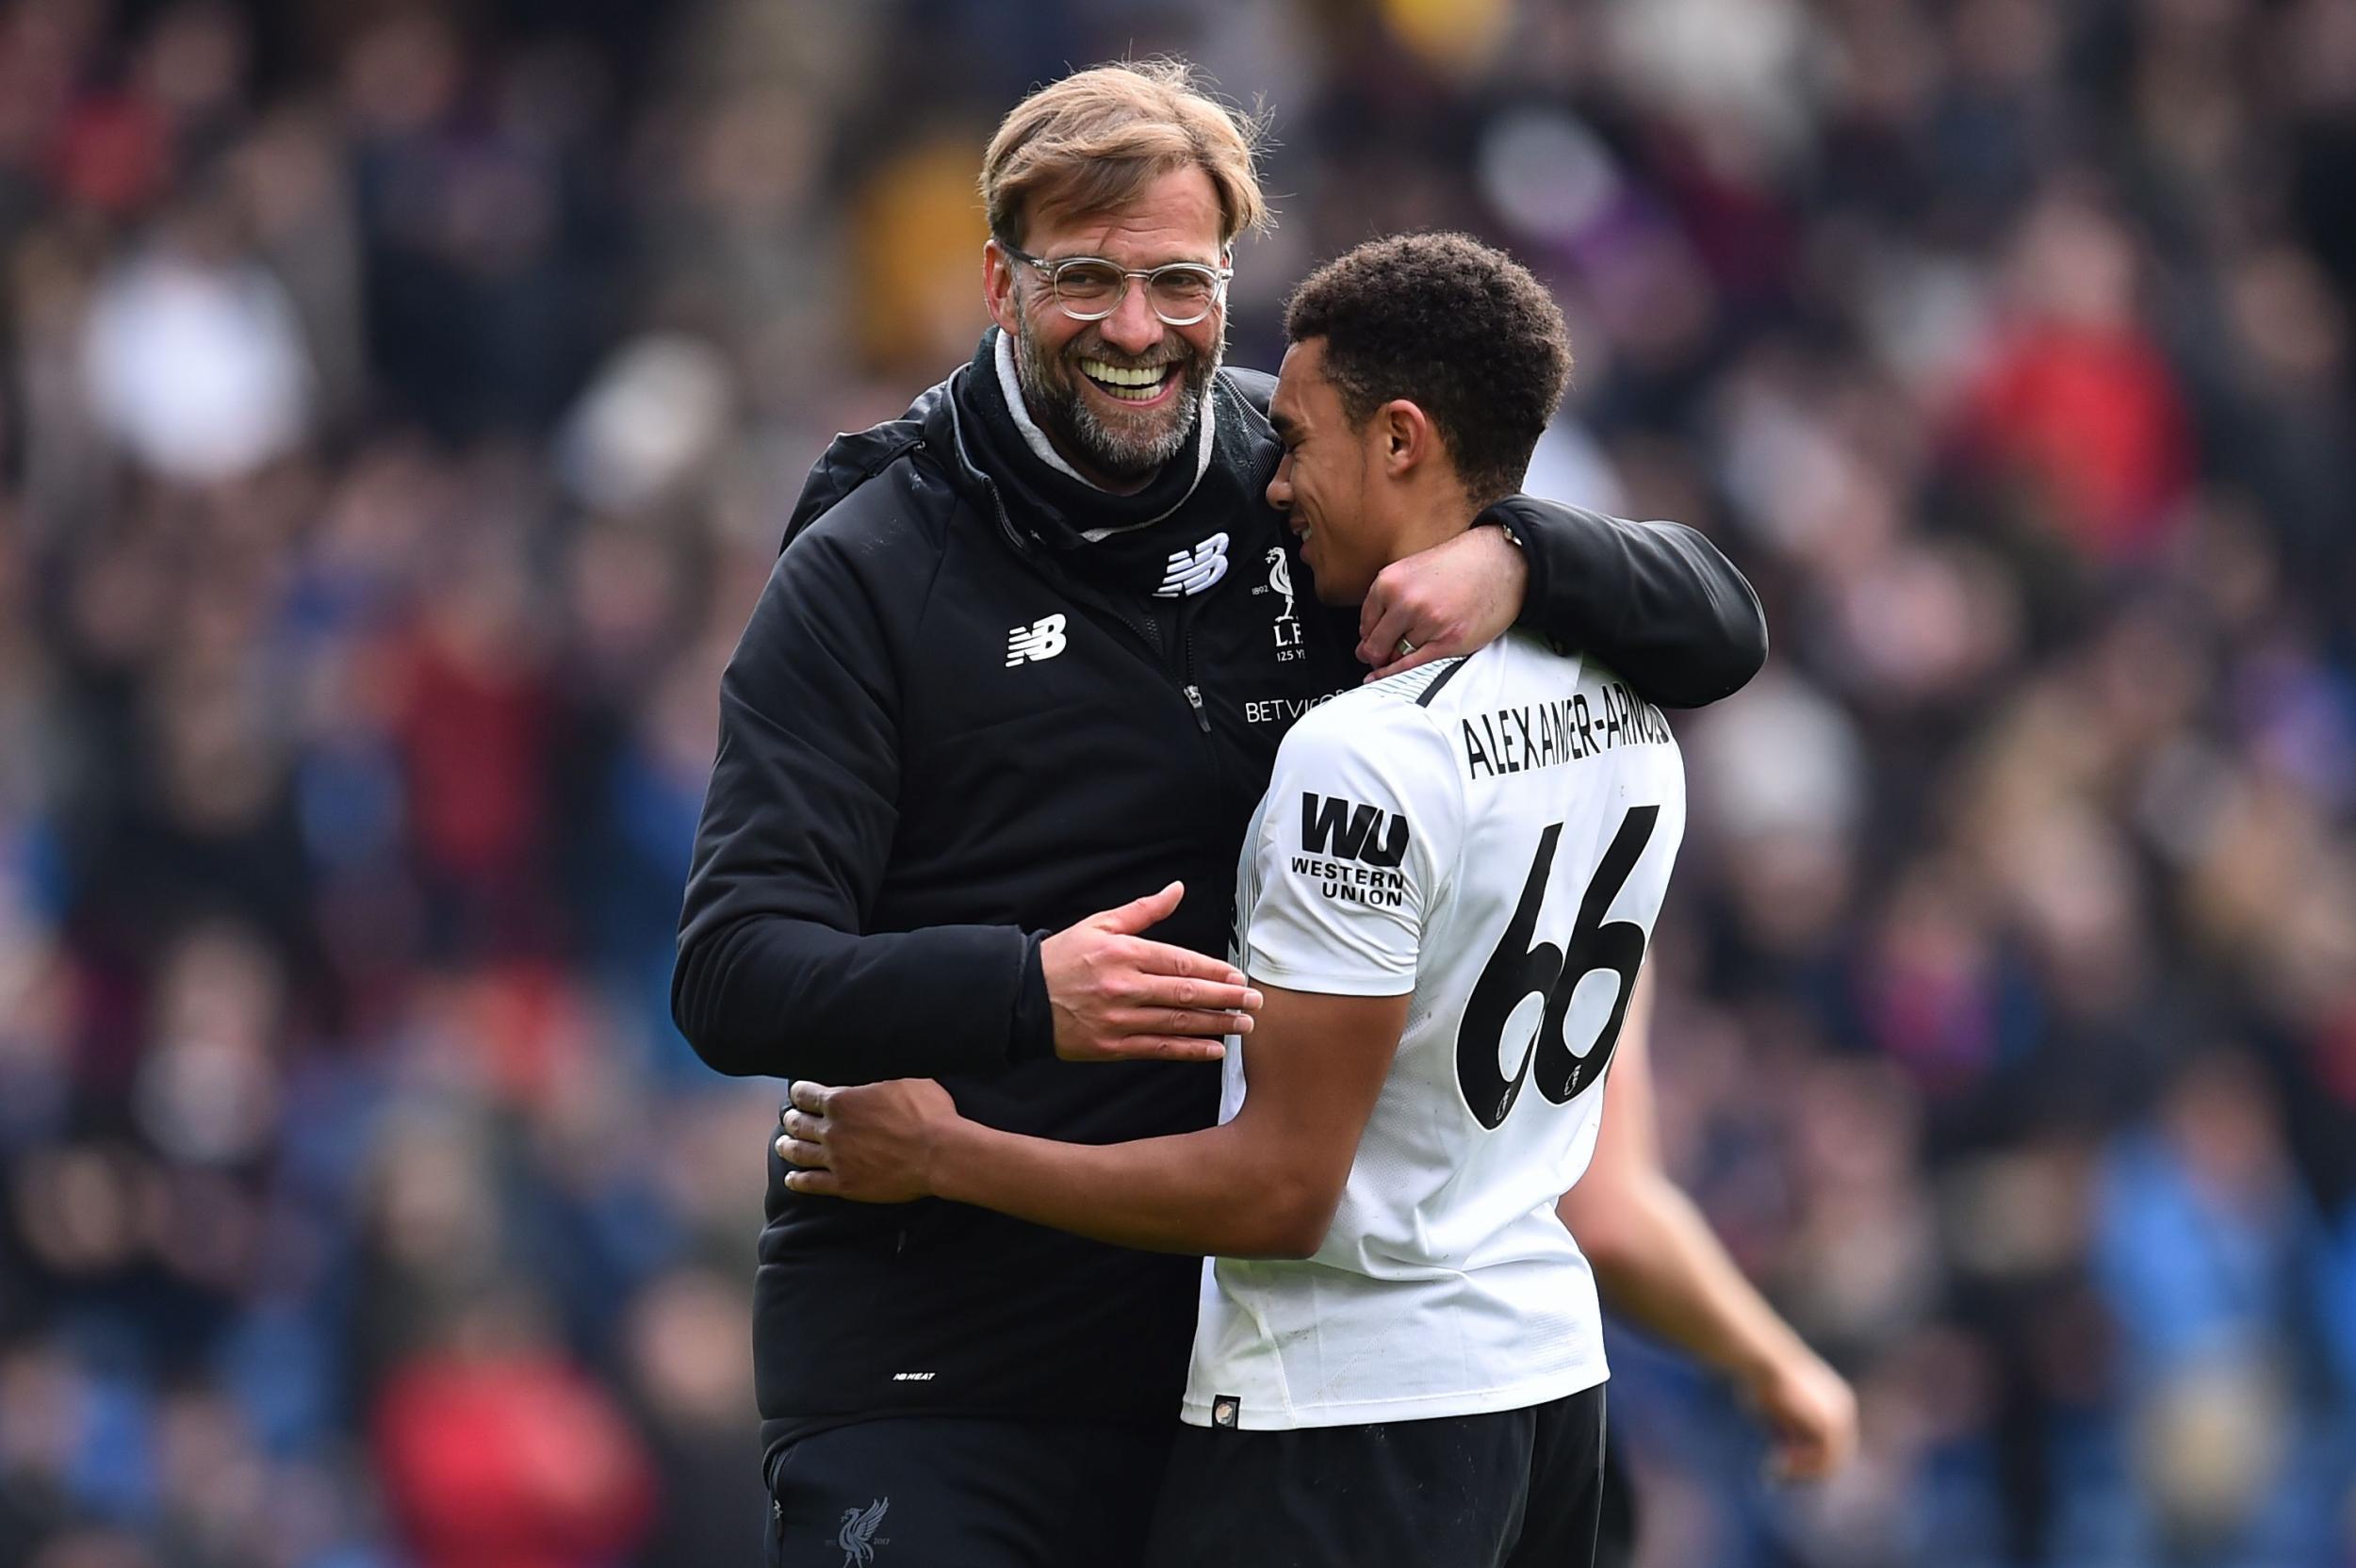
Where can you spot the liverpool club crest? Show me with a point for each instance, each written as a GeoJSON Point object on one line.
{"type": "Point", "coordinates": [1287, 628]}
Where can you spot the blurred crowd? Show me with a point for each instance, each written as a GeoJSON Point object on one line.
{"type": "Point", "coordinates": [401, 405]}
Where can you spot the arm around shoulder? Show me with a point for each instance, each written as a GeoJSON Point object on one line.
{"type": "Point", "coordinates": [1658, 602]}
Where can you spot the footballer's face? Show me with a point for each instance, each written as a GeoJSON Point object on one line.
{"type": "Point", "coordinates": [1328, 481]}
{"type": "Point", "coordinates": [1117, 397]}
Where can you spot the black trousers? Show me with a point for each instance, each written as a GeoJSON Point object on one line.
{"type": "Point", "coordinates": [939, 1492]}
{"type": "Point", "coordinates": [1512, 1489]}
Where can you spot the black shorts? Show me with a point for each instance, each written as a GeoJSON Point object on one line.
{"type": "Point", "coordinates": [1616, 1526]}
{"type": "Point", "coordinates": [942, 1492]}
{"type": "Point", "coordinates": [1512, 1489]}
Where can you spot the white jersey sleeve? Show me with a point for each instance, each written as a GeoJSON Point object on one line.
{"type": "Point", "coordinates": [1357, 843]}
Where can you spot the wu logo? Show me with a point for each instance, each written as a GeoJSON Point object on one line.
{"type": "Point", "coordinates": [858, 1535]}
{"type": "Point", "coordinates": [1191, 571]}
{"type": "Point", "coordinates": [1042, 639]}
{"type": "Point", "coordinates": [1348, 831]}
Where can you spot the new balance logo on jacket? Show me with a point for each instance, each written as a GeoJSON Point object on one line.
{"type": "Point", "coordinates": [1042, 639]}
{"type": "Point", "coordinates": [1192, 571]}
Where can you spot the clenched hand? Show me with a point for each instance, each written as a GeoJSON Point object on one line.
{"type": "Point", "coordinates": [1810, 1412]}
{"type": "Point", "coordinates": [871, 1143]}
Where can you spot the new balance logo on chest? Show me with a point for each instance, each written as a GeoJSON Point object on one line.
{"type": "Point", "coordinates": [1192, 571]}
{"type": "Point", "coordinates": [1042, 639]}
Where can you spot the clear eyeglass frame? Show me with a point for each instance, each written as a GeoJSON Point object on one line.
{"type": "Point", "coordinates": [1063, 273]}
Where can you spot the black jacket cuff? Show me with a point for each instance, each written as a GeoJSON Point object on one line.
{"type": "Point", "coordinates": [1032, 1035]}
{"type": "Point", "coordinates": [1538, 586]}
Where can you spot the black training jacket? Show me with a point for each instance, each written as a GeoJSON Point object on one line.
{"type": "Point", "coordinates": [922, 770]}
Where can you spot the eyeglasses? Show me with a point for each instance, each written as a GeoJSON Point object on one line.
{"type": "Point", "coordinates": [1090, 289]}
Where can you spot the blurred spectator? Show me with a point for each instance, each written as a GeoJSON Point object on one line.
{"type": "Point", "coordinates": [691, 1354]}
{"type": "Point", "coordinates": [194, 359]}
{"type": "Point", "coordinates": [400, 408]}
{"type": "Point", "coordinates": [2076, 400]}
{"type": "Point", "coordinates": [496, 1454]}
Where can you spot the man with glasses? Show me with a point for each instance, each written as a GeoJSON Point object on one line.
{"type": "Point", "coordinates": [1028, 654]}
{"type": "Point", "coordinates": [1089, 288]}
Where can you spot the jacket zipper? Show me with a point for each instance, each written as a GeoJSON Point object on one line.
{"type": "Point", "coordinates": [1219, 769]}
{"type": "Point", "coordinates": [1190, 688]}
{"type": "Point", "coordinates": [1194, 692]}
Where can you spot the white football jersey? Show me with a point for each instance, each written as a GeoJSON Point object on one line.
{"type": "Point", "coordinates": [1492, 834]}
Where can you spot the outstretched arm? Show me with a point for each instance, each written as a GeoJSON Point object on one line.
{"type": "Point", "coordinates": [1263, 1184]}
{"type": "Point", "coordinates": [1658, 1264]}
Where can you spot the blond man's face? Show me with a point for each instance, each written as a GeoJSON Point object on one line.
{"type": "Point", "coordinates": [1081, 378]}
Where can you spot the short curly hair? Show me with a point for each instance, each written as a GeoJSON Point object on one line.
{"type": "Point", "coordinates": [1459, 329]}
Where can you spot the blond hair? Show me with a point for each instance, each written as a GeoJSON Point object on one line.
{"type": "Point", "coordinates": [1091, 141]}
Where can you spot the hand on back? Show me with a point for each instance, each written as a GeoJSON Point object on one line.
{"type": "Point", "coordinates": [1119, 997]}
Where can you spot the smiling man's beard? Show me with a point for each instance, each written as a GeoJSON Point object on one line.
{"type": "Point", "coordinates": [1127, 450]}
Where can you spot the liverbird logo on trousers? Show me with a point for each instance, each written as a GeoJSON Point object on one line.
{"type": "Point", "coordinates": [858, 1536]}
